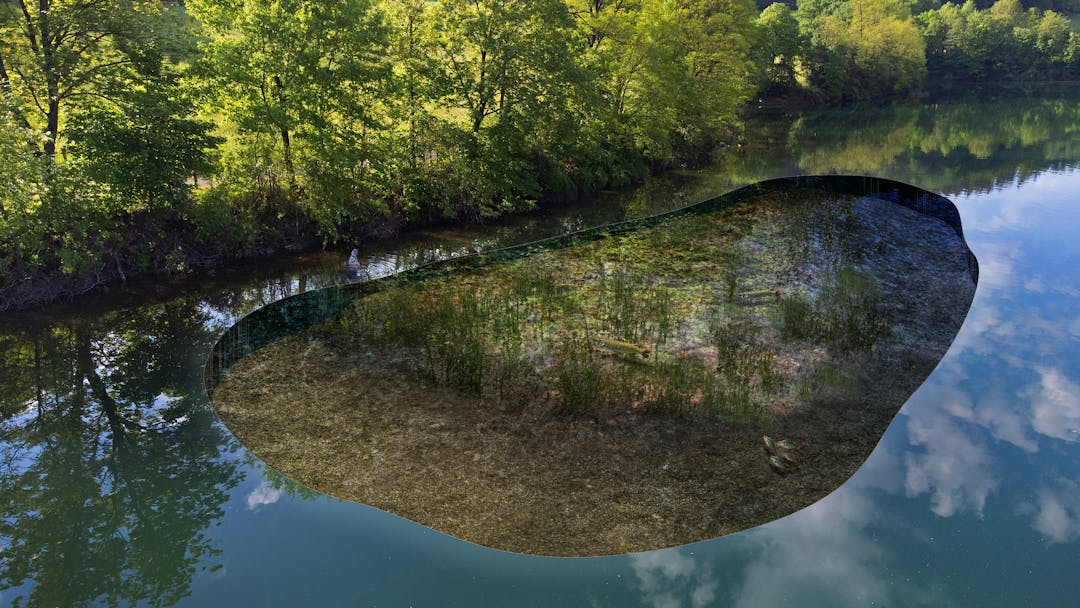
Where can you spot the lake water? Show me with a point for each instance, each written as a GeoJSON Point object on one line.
{"type": "Point", "coordinates": [118, 484]}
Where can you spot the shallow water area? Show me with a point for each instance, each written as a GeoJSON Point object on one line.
{"type": "Point", "coordinates": [610, 396]}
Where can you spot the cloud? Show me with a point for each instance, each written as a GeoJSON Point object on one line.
{"type": "Point", "coordinates": [672, 579]}
{"type": "Point", "coordinates": [1056, 514]}
{"type": "Point", "coordinates": [997, 264]}
{"type": "Point", "coordinates": [819, 553]}
{"type": "Point", "coordinates": [665, 577]}
{"type": "Point", "coordinates": [956, 471]}
{"type": "Point", "coordinates": [984, 329]}
{"type": "Point", "coordinates": [996, 414]}
{"type": "Point", "coordinates": [264, 494]}
{"type": "Point", "coordinates": [1056, 405]}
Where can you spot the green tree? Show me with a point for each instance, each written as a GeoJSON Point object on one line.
{"type": "Point", "coordinates": [97, 82]}
{"type": "Point", "coordinates": [672, 74]}
{"type": "Point", "coordinates": [142, 144]}
{"type": "Point", "coordinates": [780, 46]}
{"type": "Point", "coordinates": [720, 47]}
{"type": "Point", "coordinates": [880, 46]}
{"type": "Point", "coordinates": [56, 53]}
{"type": "Point", "coordinates": [1004, 42]}
{"type": "Point", "coordinates": [297, 69]}
{"type": "Point", "coordinates": [505, 76]}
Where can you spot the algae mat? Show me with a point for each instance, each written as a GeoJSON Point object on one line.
{"type": "Point", "coordinates": [612, 396]}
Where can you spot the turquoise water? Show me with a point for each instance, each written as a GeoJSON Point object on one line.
{"type": "Point", "coordinates": [118, 485]}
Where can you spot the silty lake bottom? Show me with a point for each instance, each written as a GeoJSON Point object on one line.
{"type": "Point", "coordinates": [119, 485]}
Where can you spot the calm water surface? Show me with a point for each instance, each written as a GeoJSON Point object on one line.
{"type": "Point", "coordinates": [118, 485]}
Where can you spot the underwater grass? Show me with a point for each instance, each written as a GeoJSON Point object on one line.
{"type": "Point", "coordinates": [612, 322]}
{"type": "Point", "coordinates": [848, 314]}
{"type": "Point", "coordinates": [491, 338]}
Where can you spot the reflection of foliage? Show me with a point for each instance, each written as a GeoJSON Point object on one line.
{"type": "Point", "coordinates": [948, 147]}
{"type": "Point", "coordinates": [112, 475]}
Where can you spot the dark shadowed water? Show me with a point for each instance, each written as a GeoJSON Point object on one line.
{"type": "Point", "coordinates": [119, 485]}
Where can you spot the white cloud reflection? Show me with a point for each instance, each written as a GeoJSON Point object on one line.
{"type": "Point", "coordinates": [822, 554]}
{"type": "Point", "coordinates": [819, 551]}
{"type": "Point", "coordinates": [673, 579]}
{"type": "Point", "coordinates": [983, 329]}
{"type": "Point", "coordinates": [1055, 405]}
{"type": "Point", "coordinates": [1056, 512]}
{"type": "Point", "coordinates": [264, 494]}
{"type": "Point", "coordinates": [996, 413]}
{"type": "Point", "coordinates": [997, 264]}
{"type": "Point", "coordinates": [956, 471]}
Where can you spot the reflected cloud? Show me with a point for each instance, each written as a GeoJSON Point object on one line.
{"type": "Point", "coordinates": [821, 553]}
{"type": "Point", "coordinates": [993, 412]}
{"type": "Point", "coordinates": [953, 469]}
{"type": "Point", "coordinates": [997, 264]}
{"type": "Point", "coordinates": [1056, 405]}
{"type": "Point", "coordinates": [672, 579]}
{"type": "Point", "coordinates": [997, 414]}
{"type": "Point", "coordinates": [983, 329]}
{"type": "Point", "coordinates": [1056, 514]}
{"type": "Point", "coordinates": [1019, 206]}
{"type": "Point", "coordinates": [264, 494]}
{"type": "Point", "coordinates": [1074, 328]}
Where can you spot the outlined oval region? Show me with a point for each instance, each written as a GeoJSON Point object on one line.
{"type": "Point", "coordinates": [626, 388]}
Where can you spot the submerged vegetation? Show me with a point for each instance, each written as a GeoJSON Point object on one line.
{"type": "Point", "coordinates": [692, 315]}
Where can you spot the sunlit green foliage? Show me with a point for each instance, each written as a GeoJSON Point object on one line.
{"type": "Point", "coordinates": [156, 136]}
{"type": "Point", "coordinates": [879, 48]}
{"type": "Point", "coordinates": [309, 75]}
{"type": "Point", "coordinates": [96, 129]}
{"type": "Point", "coordinates": [782, 43]}
{"type": "Point", "coordinates": [1003, 42]}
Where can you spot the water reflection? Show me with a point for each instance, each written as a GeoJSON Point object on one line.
{"type": "Point", "coordinates": [821, 553]}
{"type": "Point", "coordinates": [953, 147]}
{"type": "Point", "coordinates": [674, 577]}
{"type": "Point", "coordinates": [112, 470]}
{"type": "Point", "coordinates": [1056, 511]}
{"type": "Point", "coordinates": [955, 468]}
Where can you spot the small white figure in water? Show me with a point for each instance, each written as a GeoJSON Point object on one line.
{"type": "Point", "coordinates": [353, 265]}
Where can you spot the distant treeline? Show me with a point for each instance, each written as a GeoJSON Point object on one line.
{"type": "Point", "coordinates": [862, 49]}
{"type": "Point", "coordinates": [159, 136]}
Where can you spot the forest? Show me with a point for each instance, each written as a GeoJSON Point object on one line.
{"type": "Point", "coordinates": [163, 136]}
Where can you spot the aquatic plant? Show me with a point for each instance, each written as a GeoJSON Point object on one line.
{"type": "Point", "coordinates": [827, 381]}
{"type": "Point", "coordinates": [848, 314]}
{"type": "Point", "coordinates": [797, 320]}
{"type": "Point", "coordinates": [580, 378]}
{"type": "Point", "coordinates": [852, 314]}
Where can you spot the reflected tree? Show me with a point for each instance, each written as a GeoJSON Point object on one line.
{"type": "Point", "coordinates": [111, 469]}
{"type": "Point", "coordinates": [957, 146]}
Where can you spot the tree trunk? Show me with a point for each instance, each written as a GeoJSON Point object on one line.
{"type": "Point", "coordinates": [52, 126]}
{"type": "Point", "coordinates": [286, 142]}
{"type": "Point", "coordinates": [287, 148]}
{"type": "Point", "coordinates": [52, 79]}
